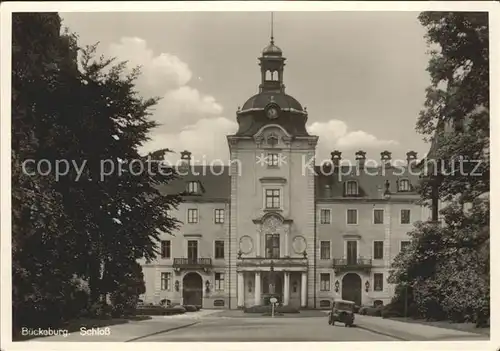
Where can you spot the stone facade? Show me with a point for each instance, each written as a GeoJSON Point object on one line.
{"type": "Point", "coordinates": [272, 224]}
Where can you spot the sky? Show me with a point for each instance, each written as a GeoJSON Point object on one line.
{"type": "Point", "coordinates": [361, 75]}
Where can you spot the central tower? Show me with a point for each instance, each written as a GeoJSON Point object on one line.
{"type": "Point", "coordinates": [271, 235]}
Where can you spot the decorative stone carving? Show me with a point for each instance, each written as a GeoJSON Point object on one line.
{"type": "Point", "coordinates": [258, 140]}
{"type": "Point", "coordinates": [299, 244]}
{"type": "Point", "coordinates": [246, 244]}
{"type": "Point", "coordinates": [272, 224]}
{"type": "Point", "coordinates": [272, 139]}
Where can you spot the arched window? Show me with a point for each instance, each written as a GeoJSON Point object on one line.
{"type": "Point", "coordinates": [404, 185]}
{"type": "Point", "coordinates": [351, 188]}
{"type": "Point", "coordinates": [269, 75]}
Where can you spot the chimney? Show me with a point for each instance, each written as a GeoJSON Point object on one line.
{"type": "Point", "coordinates": [336, 158]}
{"type": "Point", "coordinates": [186, 157]}
{"type": "Point", "coordinates": [360, 158]}
{"type": "Point", "coordinates": [411, 157]}
{"type": "Point", "coordinates": [385, 157]}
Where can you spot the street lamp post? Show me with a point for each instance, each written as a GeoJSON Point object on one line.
{"type": "Point", "coordinates": [271, 277]}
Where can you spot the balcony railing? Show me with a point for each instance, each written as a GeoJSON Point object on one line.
{"type": "Point", "coordinates": [340, 264]}
{"type": "Point", "coordinates": [192, 263]}
{"type": "Point", "coordinates": [276, 262]}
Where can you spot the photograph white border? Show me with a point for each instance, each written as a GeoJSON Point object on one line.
{"type": "Point", "coordinates": [5, 180]}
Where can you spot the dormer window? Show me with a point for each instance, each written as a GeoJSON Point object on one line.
{"type": "Point", "coordinates": [404, 185]}
{"type": "Point", "coordinates": [351, 188]}
{"type": "Point", "coordinates": [193, 188]}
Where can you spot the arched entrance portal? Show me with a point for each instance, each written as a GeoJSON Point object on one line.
{"type": "Point", "coordinates": [351, 288]}
{"type": "Point", "coordinates": [192, 289]}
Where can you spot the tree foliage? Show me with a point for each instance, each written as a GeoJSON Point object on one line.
{"type": "Point", "coordinates": [91, 225]}
{"type": "Point", "coordinates": [445, 271]}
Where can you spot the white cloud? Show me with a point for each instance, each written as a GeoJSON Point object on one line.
{"type": "Point", "coordinates": [166, 76]}
{"type": "Point", "coordinates": [159, 73]}
{"type": "Point", "coordinates": [206, 140]}
{"type": "Point", "coordinates": [334, 134]}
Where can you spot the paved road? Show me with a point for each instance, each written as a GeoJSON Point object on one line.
{"type": "Point", "coordinates": [220, 329]}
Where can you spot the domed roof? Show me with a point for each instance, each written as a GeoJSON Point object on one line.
{"type": "Point", "coordinates": [272, 50]}
{"type": "Point", "coordinates": [262, 99]}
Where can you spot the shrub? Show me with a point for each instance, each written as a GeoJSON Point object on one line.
{"type": "Point", "coordinates": [179, 308]}
{"type": "Point", "coordinates": [267, 309]}
{"type": "Point", "coordinates": [190, 308]}
{"type": "Point", "coordinates": [390, 311]}
{"type": "Point", "coordinates": [157, 310]}
{"type": "Point", "coordinates": [373, 311]}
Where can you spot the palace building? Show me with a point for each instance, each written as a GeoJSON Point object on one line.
{"type": "Point", "coordinates": [273, 223]}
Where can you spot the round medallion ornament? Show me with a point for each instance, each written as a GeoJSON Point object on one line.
{"type": "Point", "coordinates": [246, 244]}
{"type": "Point", "coordinates": [299, 244]}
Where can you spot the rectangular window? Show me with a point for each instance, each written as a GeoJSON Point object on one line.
{"type": "Point", "coordinates": [325, 250]}
{"type": "Point", "coordinates": [273, 160]}
{"type": "Point", "coordinates": [272, 198]}
{"type": "Point", "coordinates": [405, 244]}
{"type": "Point", "coordinates": [405, 216]}
{"type": "Point", "coordinates": [325, 215]}
{"type": "Point", "coordinates": [272, 246]}
{"type": "Point", "coordinates": [378, 250]}
{"type": "Point", "coordinates": [378, 216]}
{"type": "Point", "coordinates": [219, 249]}
{"type": "Point", "coordinates": [378, 281]}
{"type": "Point", "coordinates": [166, 280]}
{"type": "Point", "coordinates": [192, 215]}
{"type": "Point", "coordinates": [352, 216]}
{"type": "Point", "coordinates": [193, 187]}
{"type": "Point", "coordinates": [219, 216]}
{"type": "Point", "coordinates": [219, 281]}
{"type": "Point", "coordinates": [324, 281]}
{"type": "Point", "coordinates": [165, 249]}
{"type": "Point", "coordinates": [192, 248]}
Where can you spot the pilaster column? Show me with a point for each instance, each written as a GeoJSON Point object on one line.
{"type": "Point", "coordinates": [286, 292]}
{"type": "Point", "coordinates": [258, 242]}
{"type": "Point", "coordinates": [303, 290]}
{"type": "Point", "coordinates": [287, 249]}
{"type": "Point", "coordinates": [257, 288]}
{"type": "Point", "coordinates": [241, 290]}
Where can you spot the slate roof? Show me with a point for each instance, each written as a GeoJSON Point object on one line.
{"type": "Point", "coordinates": [371, 183]}
{"type": "Point", "coordinates": [217, 188]}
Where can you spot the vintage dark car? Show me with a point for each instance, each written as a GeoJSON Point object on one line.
{"type": "Point", "coordinates": [343, 312]}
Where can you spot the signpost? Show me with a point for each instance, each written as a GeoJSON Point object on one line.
{"type": "Point", "coordinates": [273, 301]}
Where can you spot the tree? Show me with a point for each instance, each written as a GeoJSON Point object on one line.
{"type": "Point", "coordinates": [88, 223]}
{"type": "Point", "coordinates": [42, 244]}
{"type": "Point", "coordinates": [445, 266]}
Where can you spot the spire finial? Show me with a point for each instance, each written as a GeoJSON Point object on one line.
{"type": "Point", "coordinates": [272, 28]}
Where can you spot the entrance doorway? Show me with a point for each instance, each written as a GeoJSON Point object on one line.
{"type": "Point", "coordinates": [192, 289]}
{"type": "Point", "coordinates": [351, 288]}
{"type": "Point", "coordinates": [272, 285]}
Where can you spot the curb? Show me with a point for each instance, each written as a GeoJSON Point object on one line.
{"type": "Point", "coordinates": [162, 331]}
{"type": "Point", "coordinates": [381, 333]}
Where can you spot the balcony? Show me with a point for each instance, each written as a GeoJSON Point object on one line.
{"type": "Point", "coordinates": [192, 263]}
{"type": "Point", "coordinates": [277, 264]}
{"type": "Point", "coordinates": [342, 264]}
